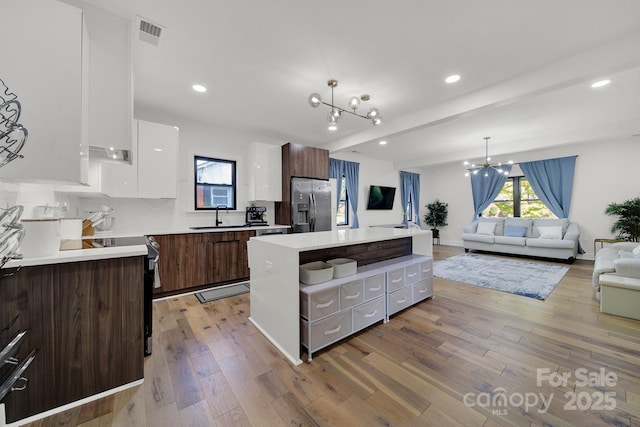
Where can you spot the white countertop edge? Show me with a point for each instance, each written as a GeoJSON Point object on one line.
{"type": "Point", "coordinates": [76, 255]}
{"type": "Point", "coordinates": [341, 237]}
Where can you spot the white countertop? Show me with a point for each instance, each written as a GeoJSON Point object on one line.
{"type": "Point", "coordinates": [342, 237]}
{"type": "Point", "coordinates": [218, 229]}
{"type": "Point", "coordinates": [75, 255]}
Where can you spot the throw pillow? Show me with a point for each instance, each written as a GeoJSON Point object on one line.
{"type": "Point", "coordinates": [636, 250]}
{"type": "Point", "coordinates": [515, 230]}
{"type": "Point", "coordinates": [551, 232]}
{"type": "Point", "coordinates": [486, 228]}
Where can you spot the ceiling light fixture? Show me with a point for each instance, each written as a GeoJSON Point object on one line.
{"type": "Point", "coordinates": [199, 88]}
{"type": "Point", "coordinates": [336, 112]}
{"type": "Point", "coordinates": [383, 142]}
{"type": "Point", "coordinates": [601, 83]}
{"type": "Point", "coordinates": [484, 168]}
{"type": "Point", "coordinates": [452, 79]}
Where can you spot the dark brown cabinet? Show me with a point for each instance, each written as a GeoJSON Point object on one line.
{"type": "Point", "coordinates": [85, 320]}
{"type": "Point", "coordinates": [196, 260]}
{"type": "Point", "coordinates": [299, 161]}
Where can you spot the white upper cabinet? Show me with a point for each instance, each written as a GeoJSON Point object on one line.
{"type": "Point", "coordinates": [42, 63]}
{"type": "Point", "coordinates": [110, 79]}
{"type": "Point", "coordinates": [264, 172]}
{"type": "Point", "coordinates": [157, 160]}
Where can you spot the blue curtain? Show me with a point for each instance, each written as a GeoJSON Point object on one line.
{"type": "Point", "coordinates": [335, 172]}
{"type": "Point", "coordinates": [351, 173]}
{"type": "Point", "coordinates": [552, 181]}
{"type": "Point", "coordinates": [410, 186]}
{"type": "Point", "coordinates": [486, 188]}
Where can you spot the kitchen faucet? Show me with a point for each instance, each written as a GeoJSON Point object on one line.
{"type": "Point", "coordinates": [218, 222]}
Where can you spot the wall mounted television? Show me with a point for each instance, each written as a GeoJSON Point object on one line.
{"type": "Point", "coordinates": [381, 198]}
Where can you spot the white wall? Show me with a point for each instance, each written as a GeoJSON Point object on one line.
{"type": "Point", "coordinates": [374, 172]}
{"type": "Point", "coordinates": [605, 172]}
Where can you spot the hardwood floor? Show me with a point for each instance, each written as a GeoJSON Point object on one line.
{"type": "Point", "coordinates": [469, 357]}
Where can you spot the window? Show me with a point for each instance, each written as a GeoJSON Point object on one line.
{"type": "Point", "coordinates": [342, 217]}
{"type": "Point", "coordinates": [517, 198]}
{"type": "Point", "coordinates": [409, 210]}
{"type": "Point", "coordinates": [215, 183]}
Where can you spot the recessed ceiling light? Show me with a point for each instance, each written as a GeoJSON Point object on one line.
{"type": "Point", "coordinates": [601, 83]}
{"type": "Point", "coordinates": [157, 149]}
{"type": "Point", "coordinates": [199, 88]}
{"type": "Point", "coordinates": [452, 79]}
{"type": "Point", "coordinates": [383, 143]}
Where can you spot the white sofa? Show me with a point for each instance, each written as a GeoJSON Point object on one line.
{"type": "Point", "coordinates": [618, 259]}
{"type": "Point", "coordinates": [538, 237]}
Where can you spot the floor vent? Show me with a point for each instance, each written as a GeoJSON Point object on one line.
{"type": "Point", "coordinates": [149, 32]}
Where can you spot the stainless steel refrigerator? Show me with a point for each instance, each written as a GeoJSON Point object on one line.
{"type": "Point", "coordinates": [310, 205]}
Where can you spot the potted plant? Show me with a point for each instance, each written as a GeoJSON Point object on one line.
{"type": "Point", "coordinates": [628, 224]}
{"type": "Point", "coordinates": [436, 216]}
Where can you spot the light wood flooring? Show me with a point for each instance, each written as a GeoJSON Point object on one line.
{"type": "Point", "coordinates": [211, 367]}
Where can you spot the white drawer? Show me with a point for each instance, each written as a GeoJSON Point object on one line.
{"type": "Point", "coordinates": [423, 289]}
{"type": "Point", "coordinates": [411, 274]}
{"type": "Point", "coordinates": [395, 279]}
{"type": "Point", "coordinates": [319, 304]}
{"type": "Point", "coordinates": [325, 331]}
{"type": "Point", "coordinates": [400, 299]}
{"type": "Point", "coordinates": [368, 313]}
{"type": "Point", "coordinates": [351, 294]}
{"type": "Point", "coordinates": [373, 287]}
{"type": "Point", "coordinates": [426, 269]}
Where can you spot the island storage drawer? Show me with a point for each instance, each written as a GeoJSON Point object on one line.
{"type": "Point", "coordinates": [423, 289]}
{"type": "Point", "coordinates": [373, 287]}
{"type": "Point", "coordinates": [319, 304]}
{"type": "Point", "coordinates": [395, 279]}
{"type": "Point", "coordinates": [351, 293]}
{"type": "Point", "coordinates": [400, 299]}
{"type": "Point", "coordinates": [411, 274]}
{"type": "Point", "coordinates": [368, 313]}
{"type": "Point", "coordinates": [326, 331]}
{"type": "Point", "coordinates": [426, 269]}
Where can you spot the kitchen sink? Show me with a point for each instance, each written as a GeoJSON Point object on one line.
{"type": "Point", "coordinates": [214, 227]}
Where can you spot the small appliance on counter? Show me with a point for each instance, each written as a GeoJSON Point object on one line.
{"type": "Point", "coordinates": [254, 215]}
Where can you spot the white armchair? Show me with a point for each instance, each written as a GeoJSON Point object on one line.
{"type": "Point", "coordinates": [618, 259]}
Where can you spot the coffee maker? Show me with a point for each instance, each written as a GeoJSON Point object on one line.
{"type": "Point", "coordinates": [254, 215]}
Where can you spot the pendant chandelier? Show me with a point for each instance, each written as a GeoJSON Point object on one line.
{"type": "Point", "coordinates": [336, 112]}
{"type": "Point", "coordinates": [484, 168]}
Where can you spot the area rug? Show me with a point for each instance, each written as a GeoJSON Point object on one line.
{"type": "Point", "coordinates": [529, 279]}
{"type": "Point", "coordinates": [222, 292]}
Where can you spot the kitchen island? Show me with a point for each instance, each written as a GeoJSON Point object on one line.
{"type": "Point", "coordinates": [274, 271]}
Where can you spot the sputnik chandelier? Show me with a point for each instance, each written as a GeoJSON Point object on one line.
{"type": "Point", "coordinates": [484, 168]}
{"type": "Point", "coordinates": [336, 112]}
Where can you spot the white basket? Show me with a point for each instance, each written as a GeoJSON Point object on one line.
{"type": "Point", "coordinates": [343, 267]}
{"type": "Point", "coordinates": [315, 272]}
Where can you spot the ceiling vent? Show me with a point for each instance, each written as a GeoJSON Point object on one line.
{"type": "Point", "coordinates": [149, 32]}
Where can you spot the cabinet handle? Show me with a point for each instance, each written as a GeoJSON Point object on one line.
{"type": "Point", "coordinates": [402, 301]}
{"type": "Point", "coordinates": [371, 314]}
{"type": "Point", "coordinates": [333, 331]}
{"type": "Point", "coordinates": [422, 291]}
{"type": "Point", "coordinates": [399, 279]}
{"type": "Point", "coordinates": [376, 289]}
{"type": "Point", "coordinates": [324, 305]}
{"type": "Point", "coordinates": [412, 274]}
{"type": "Point", "coordinates": [353, 296]}
{"type": "Point", "coordinates": [426, 270]}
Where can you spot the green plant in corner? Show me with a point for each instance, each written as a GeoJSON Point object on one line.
{"type": "Point", "coordinates": [628, 224]}
{"type": "Point", "coordinates": [436, 216]}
